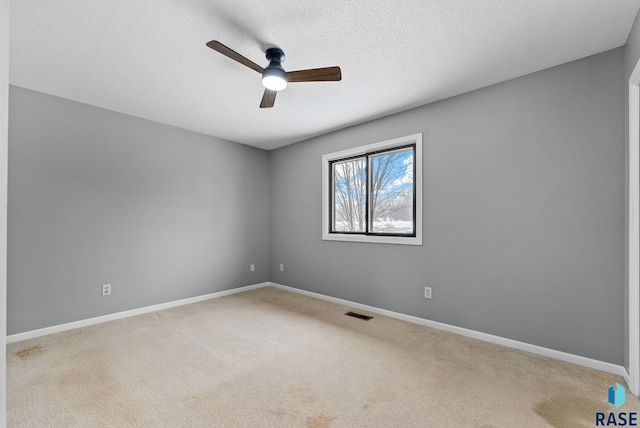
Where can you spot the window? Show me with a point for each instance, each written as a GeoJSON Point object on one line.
{"type": "Point", "coordinates": [373, 193]}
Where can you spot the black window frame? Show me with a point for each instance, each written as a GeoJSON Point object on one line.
{"type": "Point", "coordinates": [368, 192]}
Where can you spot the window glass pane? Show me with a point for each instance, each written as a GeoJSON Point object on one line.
{"type": "Point", "coordinates": [392, 195]}
{"type": "Point", "coordinates": [349, 192]}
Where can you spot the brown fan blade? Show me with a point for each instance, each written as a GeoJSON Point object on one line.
{"type": "Point", "coordinates": [327, 74]}
{"type": "Point", "coordinates": [268, 99]}
{"type": "Point", "coordinates": [219, 47]}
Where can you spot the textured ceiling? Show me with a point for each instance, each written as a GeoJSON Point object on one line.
{"type": "Point", "coordinates": [148, 58]}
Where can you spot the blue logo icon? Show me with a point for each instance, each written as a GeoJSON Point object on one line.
{"type": "Point", "coordinates": [616, 395]}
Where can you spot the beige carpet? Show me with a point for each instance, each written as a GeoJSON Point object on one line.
{"type": "Point", "coordinates": [269, 358]}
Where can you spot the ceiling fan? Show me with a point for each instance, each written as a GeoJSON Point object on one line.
{"type": "Point", "coordinates": [274, 78]}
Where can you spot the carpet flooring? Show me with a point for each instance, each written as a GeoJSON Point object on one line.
{"type": "Point", "coordinates": [271, 358]}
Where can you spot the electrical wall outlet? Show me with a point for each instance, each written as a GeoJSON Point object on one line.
{"type": "Point", "coordinates": [252, 267]}
{"type": "Point", "coordinates": [281, 267]}
{"type": "Point", "coordinates": [106, 289]}
{"type": "Point", "coordinates": [427, 292]}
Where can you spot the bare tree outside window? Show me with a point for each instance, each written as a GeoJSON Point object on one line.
{"type": "Point", "coordinates": [391, 196]}
{"type": "Point", "coordinates": [392, 192]}
{"type": "Point", "coordinates": [350, 189]}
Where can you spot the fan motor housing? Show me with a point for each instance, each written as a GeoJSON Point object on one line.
{"type": "Point", "coordinates": [275, 54]}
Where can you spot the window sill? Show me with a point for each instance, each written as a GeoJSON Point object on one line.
{"type": "Point", "coordinates": [373, 239]}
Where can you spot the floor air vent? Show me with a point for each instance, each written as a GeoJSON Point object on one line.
{"type": "Point", "coordinates": [359, 316]}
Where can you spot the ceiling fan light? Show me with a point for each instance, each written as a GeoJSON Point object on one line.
{"type": "Point", "coordinates": [274, 79]}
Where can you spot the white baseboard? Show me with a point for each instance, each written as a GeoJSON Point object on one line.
{"type": "Point", "coordinates": [534, 349]}
{"type": "Point", "coordinates": [125, 314]}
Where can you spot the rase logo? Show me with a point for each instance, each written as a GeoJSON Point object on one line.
{"type": "Point", "coordinates": [615, 396]}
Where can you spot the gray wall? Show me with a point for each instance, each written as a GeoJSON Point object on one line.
{"type": "Point", "coordinates": [523, 213]}
{"type": "Point", "coordinates": [632, 50]}
{"type": "Point", "coordinates": [99, 197]}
